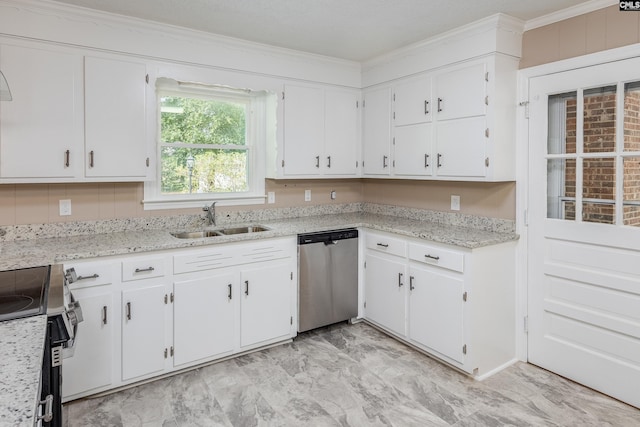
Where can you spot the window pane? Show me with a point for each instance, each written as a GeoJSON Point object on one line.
{"type": "Point", "coordinates": [202, 121]}
{"type": "Point", "coordinates": [632, 116]}
{"type": "Point", "coordinates": [599, 190]}
{"type": "Point", "coordinates": [631, 191]}
{"type": "Point", "coordinates": [561, 188]}
{"type": "Point", "coordinates": [562, 123]}
{"type": "Point", "coordinates": [186, 171]}
{"type": "Point", "coordinates": [600, 120]}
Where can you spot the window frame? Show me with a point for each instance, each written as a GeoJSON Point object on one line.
{"type": "Point", "coordinates": [257, 134]}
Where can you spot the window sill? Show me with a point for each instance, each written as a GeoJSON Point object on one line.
{"type": "Point", "coordinates": [156, 204]}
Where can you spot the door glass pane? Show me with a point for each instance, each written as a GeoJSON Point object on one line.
{"type": "Point", "coordinates": [600, 120]}
{"type": "Point", "coordinates": [562, 124]}
{"type": "Point", "coordinates": [631, 191]}
{"type": "Point", "coordinates": [632, 116]}
{"type": "Point", "coordinates": [561, 188]}
{"type": "Point", "coordinates": [599, 190]}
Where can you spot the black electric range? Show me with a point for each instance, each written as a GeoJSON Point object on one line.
{"type": "Point", "coordinates": [23, 292]}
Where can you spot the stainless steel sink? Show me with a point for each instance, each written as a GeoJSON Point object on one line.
{"type": "Point", "coordinates": [242, 230]}
{"type": "Point", "coordinates": [196, 234]}
{"type": "Point", "coordinates": [217, 233]}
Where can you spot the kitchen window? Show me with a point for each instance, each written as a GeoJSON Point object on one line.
{"type": "Point", "coordinates": [211, 145]}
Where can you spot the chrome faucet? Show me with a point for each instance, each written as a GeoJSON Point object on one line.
{"type": "Point", "coordinates": [211, 213]}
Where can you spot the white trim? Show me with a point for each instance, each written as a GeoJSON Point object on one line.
{"type": "Point", "coordinates": [496, 370]}
{"type": "Point", "coordinates": [570, 12]}
{"type": "Point", "coordinates": [152, 204]}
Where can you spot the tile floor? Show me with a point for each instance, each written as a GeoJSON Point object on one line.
{"type": "Point", "coordinates": [351, 375]}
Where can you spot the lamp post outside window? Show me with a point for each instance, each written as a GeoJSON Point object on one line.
{"type": "Point", "coordinates": [190, 164]}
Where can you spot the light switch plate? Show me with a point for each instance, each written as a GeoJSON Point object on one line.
{"type": "Point", "coordinates": [271, 197]}
{"type": "Point", "coordinates": [455, 203]}
{"type": "Point", "coordinates": [307, 195]}
{"type": "Point", "coordinates": [65, 207]}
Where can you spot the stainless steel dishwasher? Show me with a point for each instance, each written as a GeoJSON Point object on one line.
{"type": "Point", "coordinates": [328, 278]}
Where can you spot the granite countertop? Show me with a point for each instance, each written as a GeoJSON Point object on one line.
{"type": "Point", "coordinates": [32, 252]}
{"type": "Point", "coordinates": [21, 351]}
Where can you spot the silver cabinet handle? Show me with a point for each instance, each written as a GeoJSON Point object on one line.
{"type": "Point", "coordinates": [93, 276]}
{"type": "Point", "coordinates": [400, 280]}
{"type": "Point", "coordinates": [426, 160]}
{"type": "Point", "coordinates": [91, 158]}
{"type": "Point", "coordinates": [439, 157]}
{"type": "Point", "coordinates": [384, 161]}
{"type": "Point", "coordinates": [328, 161]}
{"type": "Point", "coordinates": [230, 295]}
{"type": "Point", "coordinates": [128, 311]}
{"type": "Point", "coordinates": [48, 409]}
{"type": "Point", "coordinates": [440, 102]}
{"type": "Point", "coordinates": [142, 270]}
{"type": "Point", "coordinates": [246, 291]}
{"type": "Point", "coordinates": [384, 245]}
{"type": "Point", "coordinates": [317, 161]}
{"type": "Point", "coordinates": [67, 158]}
{"type": "Point", "coordinates": [411, 279]}
{"type": "Point", "coordinates": [104, 314]}
{"type": "Point", "coordinates": [432, 257]}
{"type": "Point", "coordinates": [426, 107]}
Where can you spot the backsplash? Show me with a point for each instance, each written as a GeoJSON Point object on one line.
{"type": "Point", "coordinates": [198, 221]}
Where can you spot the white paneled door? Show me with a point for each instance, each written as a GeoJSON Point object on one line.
{"type": "Point", "coordinates": [584, 226]}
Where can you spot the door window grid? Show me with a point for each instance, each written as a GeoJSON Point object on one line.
{"type": "Point", "coordinates": [593, 160]}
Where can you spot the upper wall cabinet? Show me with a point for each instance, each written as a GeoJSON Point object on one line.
{"type": "Point", "coordinates": [72, 118]}
{"type": "Point", "coordinates": [321, 137]}
{"type": "Point", "coordinates": [456, 123]}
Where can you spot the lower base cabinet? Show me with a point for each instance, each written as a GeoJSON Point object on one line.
{"type": "Point", "coordinates": [148, 315]}
{"type": "Point", "coordinates": [453, 303]}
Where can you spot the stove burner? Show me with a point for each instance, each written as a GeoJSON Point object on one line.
{"type": "Point", "coordinates": [14, 303]}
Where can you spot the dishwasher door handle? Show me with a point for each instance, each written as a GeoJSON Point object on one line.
{"type": "Point", "coordinates": [330, 242]}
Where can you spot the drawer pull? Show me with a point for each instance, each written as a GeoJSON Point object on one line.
{"type": "Point", "coordinates": [93, 276]}
{"type": "Point", "coordinates": [383, 245]}
{"type": "Point", "coordinates": [400, 280]}
{"type": "Point", "coordinates": [142, 270]}
{"type": "Point", "coordinates": [436, 258]}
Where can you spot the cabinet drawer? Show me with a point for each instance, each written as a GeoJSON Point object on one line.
{"type": "Point", "coordinates": [267, 250]}
{"type": "Point", "coordinates": [206, 259]}
{"type": "Point", "coordinates": [91, 274]}
{"type": "Point", "coordinates": [386, 244]}
{"type": "Point", "coordinates": [142, 268]}
{"type": "Point", "coordinates": [428, 254]}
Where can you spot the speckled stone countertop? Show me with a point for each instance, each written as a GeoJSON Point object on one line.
{"type": "Point", "coordinates": [21, 351]}
{"type": "Point", "coordinates": [43, 251]}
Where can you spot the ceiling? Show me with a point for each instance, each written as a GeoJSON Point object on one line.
{"type": "Point", "coordinates": [349, 29]}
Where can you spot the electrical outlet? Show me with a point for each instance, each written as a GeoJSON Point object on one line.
{"type": "Point", "coordinates": [271, 197]}
{"type": "Point", "coordinates": [455, 203]}
{"type": "Point", "coordinates": [65, 207]}
{"type": "Point", "coordinates": [307, 195]}
{"type": "Point", "coordinates": [333, 194]}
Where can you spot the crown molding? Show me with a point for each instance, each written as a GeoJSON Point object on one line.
{"type": "Point", "coordinates": [570, 12]}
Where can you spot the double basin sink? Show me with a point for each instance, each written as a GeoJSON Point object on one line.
{"type": "Point", "coordinates": [221, 232]}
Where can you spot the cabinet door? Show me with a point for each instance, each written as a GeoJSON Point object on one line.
{"type": "Point", "coordinates": [115, 110]}
{"type": "Point", "coordinates": [412, 150]}
{"type": "Point", "coordinates": [91, 366]}
{"type": "Point", "coordinates": [436, 311]}
{"type": "Point", "coordinates": [203, 317]}
{"type": "Point", "coordinates": [341, 133]}
{"type": "Point", "coordinates": [385, 295]}
{"type": "Point", "coordinates": [303, 130]}
{"type": "Point", "coordinates": [265, 303]}
{"type": "Point", "coordinates": [412, 102]}
{"type": "Point", "coordinates": [460, 92]}
{"type": "Point", "coordinates": [376, 140]}
{"type": "Point", "coordinates": [143, 331]}
{"type": "Point", "coordinates": [41, 129]}
{"type": "Point", "coordinates": [461, 148]}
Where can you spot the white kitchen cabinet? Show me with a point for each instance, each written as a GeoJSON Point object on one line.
{"type": "Point", "coordinates": [412, 101]}
{"type": "Point", "coordinates": [265, 303]}
{"type": "Point", "coordinates": [115, 118]}
{"type": "Point", "coordinates": [91, 367]}
{"type": "Point", "coordinates": [455, 304]}
{"type": "Point", "coordinates": [144, 349]}
{"type": "Point", "coordinates": [376, 134]}
{"type": "Point", "coordinates": [413, 151]}
{"type": "Point", "coordinates": [320, 132]}
{"type": "Point", "coordinates": [41, 129]}
{"type": "Point", "coordinates": [436, 311]}
{"type": "Point", "coordinates": [461, 148]}
{"type": "Point", "coordinates": [461, 91]}
{"type": "Point", "coordinates": [203, 313]}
